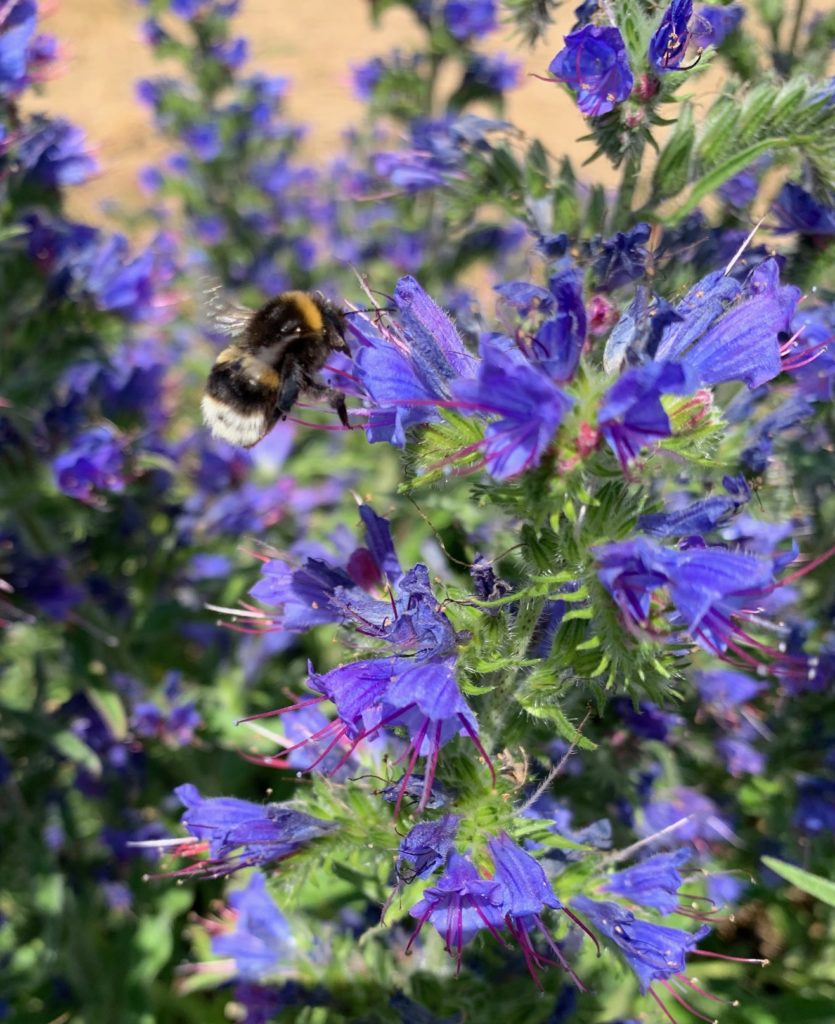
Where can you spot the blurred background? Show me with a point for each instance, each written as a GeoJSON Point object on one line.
{"type": "Point", "coordinates": [315, 43]}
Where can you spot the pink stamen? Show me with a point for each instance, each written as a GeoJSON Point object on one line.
{"type": "Point", "coordinates": [474, 737]}
{"type": "Point", "coordinates": [663, 1008]}
{"type": "Point", "coordinates": [281, 711]}
{"type": "Point", "coordinates": [680, 999]}
{"type": "Point", "coordinates": [733, 959]}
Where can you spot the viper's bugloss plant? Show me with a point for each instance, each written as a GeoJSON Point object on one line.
{"type": "Point", "coordinates": [489, 706]}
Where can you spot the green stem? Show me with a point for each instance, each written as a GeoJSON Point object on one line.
{"type": "Point", "coordinates": [798, 20]}
{"type": "Point", "coordinates": [622, 214]}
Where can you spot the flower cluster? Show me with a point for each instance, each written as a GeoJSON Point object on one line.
{"type": "Point", "coordinates": [570, 683]}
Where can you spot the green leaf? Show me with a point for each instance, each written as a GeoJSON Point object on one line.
{"type": "Point", "coordinates": [719, 175]}
{"type": "Point", "coordinates": [821, 888]}
{"type": "Point", "coordinates": [671, 171]}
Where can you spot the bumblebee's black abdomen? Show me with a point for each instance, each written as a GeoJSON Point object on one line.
{"type": "Point", "coordinates": [234, 384]}
{"type": "Point", "coordinates": [239, 404]}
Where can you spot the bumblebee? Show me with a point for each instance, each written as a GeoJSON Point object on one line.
{"type": "Point", "coordinates": [273, 360]}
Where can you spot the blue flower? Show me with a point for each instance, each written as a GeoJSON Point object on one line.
{"type": "Point", "coordinates": [530, 409]}
{"type": "Point", "coordinates": [655, 952]}
{"type": "Point", "coordinates": [95, 462]}
{"type": "Point", "coordinates": [459, 905]}
{"type": "Point", "coordinates": [41, 580]}
{"type": "Point", "coordinates": [725, 690]}
{"type": "Point", "coordinates": [708, 587]}
{"type": "Point", "coordinates": [54, 153]}
{"type": "Point", "coordinates": [366, 77]}
{"type": "Point", "coordinates": [652, 883]}
{"type": "Point", "coordinates": [699, 517]}
{"type": "Point", "coordinates": [815, 810]}
{"type": "Point", "coordinates": [714, 23]}
{"type": "Point", "coordinates": [426, 701]}
{"type": "Point", "coordinates": [17, 31]}
{"type": "Point", "coordinates": [223, 825]}
{"type": "Point", "coordinates": [493, 72]}
{"type": "Point", "coordinates": [647, 720]}
{"type": "Point", "coordinates": [620, 259]}
{"type": "Point", "coordinates": [426, 846]}
{"type": "Point", "coordinates": [526, 893]}
{"type": "Point", "coordinates": [637, 335]}
{"type": "Point", "coordinates": [595, 65]}
{"type": "Point", "coordinates": [670, 40]}
{"type": "Point", "coordinates": [260, 942]}
{"type": "Point", "coordinates": [740, 757]}
{"type": "Point", "coordinates": [756, 454]}
{"type": "Point", "coordinates": [798, 210]}
{"type": "Point", "coordinates": [703, 823]}
{"type": "Point", "coordinates": [405, 372]}
{"type": "Point", "coordinates": [631, 416]}
{"type": "Point", "coordinates": [741, 190]}
{"type": "Point", "coordinates": [470, 18]}
{"type": "Point", "coordinates": [717, 342]}
{"type": "Point", "coordinates": [204, 140]}
{"type": "Point", "coordinates": [558, 342]}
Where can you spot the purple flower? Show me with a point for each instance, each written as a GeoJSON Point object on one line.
{"type": "Point", "coordinates": [317, 593]}
{"type": "Point", "coordinates": [620, 259]}
{"type": "Point", "coordinates": [636, 337]}
{"type": "Point", "coordinates": [798, 210]}
{"type": "Point", "coordinates": [54, 153]}
{"type": "Point", "coordinates": [655, 952]}
{"type": "Point", "coordinates": [422, 699]}
{"type": "Point", "coordinates": [261, 832]}
{"type": "Point", "coordinates": [232, 53]}
{"type": "Point", "coordinates": [365, 77]}
{"type": "Point", "coordinates": [699, 517]}
{"type": "Point", "coordinates": [404, 372]}
{"type": "Point", "coordinates": [707, 586]}
{"type": "Point", "coordinates": [530, 409]}
{"type": "Point", "coordinates": [204, 140]}
{"type": "Point", "coordinates": [760, 442]}
{"type": "Point", "coordinates": [261, 941]}
{"type": "Point", "coordinates": [558, 342]}
{"type": "Point", "coordinates": [17, 29]}
{"type": "Point", "coordinates": [669, 42]}
{"type": "Point", "coordinates": [470, 18]}
{"type": "Point", "coordinates": [426, 701]}
{"type": "Point", "coordinates": [40, 580]}
{"type": "Point", "coordinates": [741, 190]}
{"type": "Point", "coordinates": [740, 757]}
{"type": "Point", "coordinates": [95, 462]}
{"type": "Point", "coordinates": [815, 810]}
{"type": "Point", "coordinates": [714, 23]}
{"type": "Point", "coordinates": [704, 822]}
{"type": "Point", "coordinates": [432, 337]}
{"type": "Point", "coordinates": [595, 65]}
{"type": "Point", "coordinates": [646, 720]}
{"type": "Point", "coordinates": [631, 415]}
{"type": "Point", "coordinates": [526, 892]}
{"type": "Point", "coordinates": [426, 846]}
{"type": "Point", "coordinates": [493, 72]}
{"type": "Point", "coordinates": [459, 905]}
{"type": "Point", "coordinates": [652, 883]}
{"type": "Point", "coordinates": [725, 690]}
{"type": "Point", "coordinates": [740, 342]}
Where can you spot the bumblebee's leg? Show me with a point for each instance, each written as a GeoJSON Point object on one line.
{"type": "Point", "coordinates": [335, 399]}
{"type": "Point", "coordinates": [288, 391]}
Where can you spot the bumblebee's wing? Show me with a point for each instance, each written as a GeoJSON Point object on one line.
{"type": "Point", "coordinates": [225, 317]}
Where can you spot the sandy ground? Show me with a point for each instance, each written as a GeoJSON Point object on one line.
{"type": "Point", "coordinates": [315, 42]}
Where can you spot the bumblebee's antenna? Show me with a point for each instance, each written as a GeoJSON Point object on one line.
{"type": "Point", "coordinates": [376, 309]}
